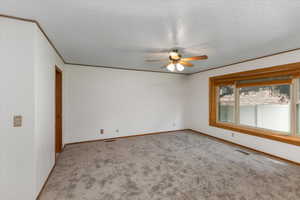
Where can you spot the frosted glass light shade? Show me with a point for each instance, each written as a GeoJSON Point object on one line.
{"type": "Point", "coordinates": [179, 67]}
{"type": "Point", "coordinates": [171, 67]}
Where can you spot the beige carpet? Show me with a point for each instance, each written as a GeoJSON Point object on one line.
{"type": "Point", "coordinates": [172, 166]}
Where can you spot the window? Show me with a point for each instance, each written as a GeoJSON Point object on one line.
{"type": "Point", "coordinates": [263, 102]}
{"type": "Point", "coordinates": [226, 104]}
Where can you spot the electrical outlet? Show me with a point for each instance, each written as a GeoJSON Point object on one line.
{"type": "Point", "coordinates": [101, 131]}
{"type": "Point", "coordinates": [117, 130]}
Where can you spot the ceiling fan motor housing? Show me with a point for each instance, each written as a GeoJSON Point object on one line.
{"type": "Point", "coordinates": [174, 56]}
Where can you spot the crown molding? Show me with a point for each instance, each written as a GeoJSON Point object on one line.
{"type": "Point", "coordinates": [41, 29]}
{"type": "Point", "coordinates": [78, 64]}
{"type": "Point", "coordinates": [124, 68]}
{"type": "Point", "coordinates": [247, 60]}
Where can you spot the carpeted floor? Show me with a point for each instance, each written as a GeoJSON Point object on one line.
{"type": "Point", "coordinates": [172, 166]}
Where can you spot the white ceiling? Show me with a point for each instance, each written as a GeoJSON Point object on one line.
{"type": "Point", "coordinates": [123, 33]}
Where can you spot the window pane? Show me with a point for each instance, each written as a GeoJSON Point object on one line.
{"type": "Point", "coordinates": [266, 107]}
{"type": "Point", "coordinates": [226, 104]}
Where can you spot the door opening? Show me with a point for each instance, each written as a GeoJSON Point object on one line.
{"type": "Point", "coordinates": [58, 110]}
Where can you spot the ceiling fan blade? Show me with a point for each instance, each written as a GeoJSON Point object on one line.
{"type": "Point", "coordinates": [204, 57]}
{"type": "Point", "coordinates": [186, 63]}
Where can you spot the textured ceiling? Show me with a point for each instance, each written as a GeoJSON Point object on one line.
{"type": "Point", "coordinates": [119, 33]}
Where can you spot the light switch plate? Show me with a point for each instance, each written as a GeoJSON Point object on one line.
{"type": "Point", "coordinates": [17, 121]}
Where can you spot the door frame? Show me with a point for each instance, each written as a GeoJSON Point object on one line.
{"type": "Point", "coordinates": [58, 110]}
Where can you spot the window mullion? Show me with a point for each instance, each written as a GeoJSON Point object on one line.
{"type": "Point", "coordinates": [294, 107]}
{"type": "Point", "coordinates": [217, 102]}
{"type": "Point", "coordinates": [236, 105]}
{"type": "Point", "coordinates": [295, 98]}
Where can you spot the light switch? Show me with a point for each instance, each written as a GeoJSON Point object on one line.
{"type": "Point", "coordinates": [17, 121]}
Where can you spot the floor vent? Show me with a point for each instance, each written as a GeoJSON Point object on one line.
{"type": "Point", "coordinates": [111, 140]}
{"type": "Point", "coordinates": [276, 161]}
{"type": "Point", "coordinates": [243, 152]}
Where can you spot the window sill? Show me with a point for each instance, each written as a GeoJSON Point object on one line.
{"type": "Point", "coordinates": [259, 133]}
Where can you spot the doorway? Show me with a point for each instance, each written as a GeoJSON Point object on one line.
{"type": "Point", "coordinates": [58, 110]}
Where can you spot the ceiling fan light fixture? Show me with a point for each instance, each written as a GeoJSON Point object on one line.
{"type": "Point", "coordinates": [171, 67]}
{"type": "Point", "coordinates": [179, 67]}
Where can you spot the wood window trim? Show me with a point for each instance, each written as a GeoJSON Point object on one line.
{"type": "Point", "coordinates": [265, 83]}
{"type": "Point", "coordinates": [292, 70]}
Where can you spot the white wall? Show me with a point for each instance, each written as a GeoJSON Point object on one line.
{"type": "Point", "coordinates": [133, 102]}
{"type": "Point", "coordinates": [44, 139]}
{"type": "Point", "coordinates": [197, 107]}
{"type": "Point", "coordinates": [16, 98]}
{"type": "Point", "coordinates": [27, 88]}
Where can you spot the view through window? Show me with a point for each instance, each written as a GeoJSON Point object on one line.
{"type": "Point", "coordinates": [266, 107]}
{"type": "Point", "coordinates": [226, 104]}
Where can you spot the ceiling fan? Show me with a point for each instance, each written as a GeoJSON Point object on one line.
{"type": "Point", "coordinates": [176, 62]}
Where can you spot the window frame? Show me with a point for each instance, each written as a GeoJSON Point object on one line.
{"type": "Point", "coordinates": [292, 70]}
